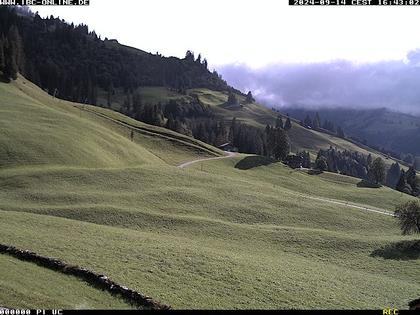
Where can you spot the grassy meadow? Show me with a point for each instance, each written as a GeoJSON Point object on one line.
{"type": "Point", "coordinates": [232, 233]}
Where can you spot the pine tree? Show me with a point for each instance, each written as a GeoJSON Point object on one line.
{"type": "Point", "coordinates": [10, 66]}
{"type": "Point", "coordinates": [411, 178]}
{"type": "Point", "coordinates": [288, 124]}
{"type": "Point", "coordinates": [321, 163]}
{"type": "Point", "coordinates": [14, 56]}
{"type": "Point", "coordinates": [249, 98]}
{"type": "Point", "coordinates": [402, 183]}
{"type": "Point", "coordinates": [189, 55]}
{"type": "Point", "coordinates": [377, 171]}
{"type": "Point", "coordinates": [279, 122]}
{"type": "Point", "coordinates": [232, 100]}
{"type": "Point", "coordinates": [340, 132]}
{"type": "Point", "coordinates": [316, 122]}
{"type": "Point", "coordinates": [2, 64]}
{"type": "Point", "coordinates": [281, 144]}
{"type": "Point", "coordinates": [393, 175]}
{"type": "Point", "coordinates": [109, 94]}
{"type": "Point", "coordinates": [308, 121]}
{"type": "Point", "coordinates": [232, 131]}
{"type": "Point", "coordinates": [369, 160]}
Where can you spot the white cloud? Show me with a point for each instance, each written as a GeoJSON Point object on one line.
{"type": "Point", "coordinates": [250, 31]}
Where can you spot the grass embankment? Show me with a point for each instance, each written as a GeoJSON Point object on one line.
{"type": "Point", "coordinates": [26, 285]}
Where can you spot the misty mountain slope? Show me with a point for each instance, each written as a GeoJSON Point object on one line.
{"type": "Point", "coordinates": [382, 128]}
{"type": "Point", "coordinates": [258, 115]}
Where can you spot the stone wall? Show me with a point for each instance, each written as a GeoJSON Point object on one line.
{"type": "Point", "coordinates": [100, 281]}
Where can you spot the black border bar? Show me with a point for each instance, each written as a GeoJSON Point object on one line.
{"type": "Point", "coordinates": [354, 3]}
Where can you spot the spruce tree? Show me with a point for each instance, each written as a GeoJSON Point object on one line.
{"type": "Point", "coordinates": [281, 144]}
{"type": "Point", "coordinates": [321, 163]}
{"type": "Point", "coordinates": [340, 132]}
{"type": "Point", "coordinates": [2, 61]}
{"type": "Point", "coordinates": [249, 97]}
{"type": "Point", "coordinates": [10, 66]}
{"type": "Point", "coordinates": [377, 171]}
{"type": "Point", "coordinates": [393, 175]}
{"type": "Point", "coordinates": [279, 122]}
{"type": "Point", "coordinates": [308, 121]}
{"type": "Point", "coordinates": [411, 178]}
{"type": "Point", "coordinates": [288, 124]}
{"type": "Point", "coordinates": [402, 183]}
{"type": "Point", "coordinates": [232, 100]}
{"type": "Point", "coordinates": [316, 122]}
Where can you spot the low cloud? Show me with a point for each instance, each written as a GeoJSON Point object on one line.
{"type": "Point", "coordinates": [391, 84]}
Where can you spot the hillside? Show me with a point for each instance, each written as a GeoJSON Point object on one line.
{"type": "Point", "coordinates": [232, 233]}
{"type": "Point", "coordinates": [388, 130]}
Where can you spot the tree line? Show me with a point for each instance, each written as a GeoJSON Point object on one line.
{"type": "Point", "coordinates": [374, 171]}
{"type": "Point", "coordinates": [317, 124]}
{"type": "Point", "coordinates": [75, 64]}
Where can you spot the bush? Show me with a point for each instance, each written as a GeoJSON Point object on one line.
{"type": "Point", "coordinates": [408, 215]}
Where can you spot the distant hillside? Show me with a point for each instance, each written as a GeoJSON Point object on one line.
{"type": "Point", "coordinates": [397, 133]}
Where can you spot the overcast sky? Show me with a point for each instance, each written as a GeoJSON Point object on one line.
{"type": "Point", "coordinates": [252, 32]}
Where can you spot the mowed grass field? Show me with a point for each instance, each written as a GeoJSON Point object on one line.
{"type": "Point", "coordinates": [214, 235]}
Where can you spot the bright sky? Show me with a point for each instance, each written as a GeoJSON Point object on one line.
{"type": "Point", "coordinates": [254, 32]}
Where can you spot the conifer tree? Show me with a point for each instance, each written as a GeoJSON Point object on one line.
{"type": "Point", "coordinates": [279, 122]}
{"type": "Point", "coordinates": [402, 183]}
{"type": "Point", "coordinates": [249, 98]}
{"type": "Point", "coordinates": [316, 122]}
{"type": "Point", "coordinates": [393, 175]}
{"type": "Point", "coordinates": [232, 100]}
{"type": "Point", "coordinates": [2, 64]}
{"type": "Point", "coordinates": [307, 121]}
{"type": "Point", "coordinates": [377, 171]}
{"type": "Point", "coordinates": [340, 132]}
{"type": "Point", "coordinates": [288, 124]}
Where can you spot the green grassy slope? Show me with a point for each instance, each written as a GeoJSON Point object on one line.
{"type": "Point", "coordinates": [259, 116]}
{"type": "Point", "coordinates": [26, 285]}
{"type": "Point", "coordinates": [37, 129]}
{"type": "Point", "coordinates": [252, 114]}
{"type": "Point", "coordinates": [209, 236]}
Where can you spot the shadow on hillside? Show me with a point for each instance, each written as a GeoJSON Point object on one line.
{"type": "Point", "coordinates": [404, 250]}
{"type": "Point", "coordinates": [367, 184]}
{"type": "Point", "coordinates": [253, 161]}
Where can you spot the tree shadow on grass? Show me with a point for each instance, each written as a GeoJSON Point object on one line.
{"type": "Point", "coordinates": [404, 250]}
{"type": "Point", "coordinates": [253, 161]}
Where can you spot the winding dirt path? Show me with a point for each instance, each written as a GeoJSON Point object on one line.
{"type": "Point", "coordinates": [227, 156]}
{"type": "Point", "coordinates": [337, 202]}
{"type": "Point", "coordinates": [346, 204]}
